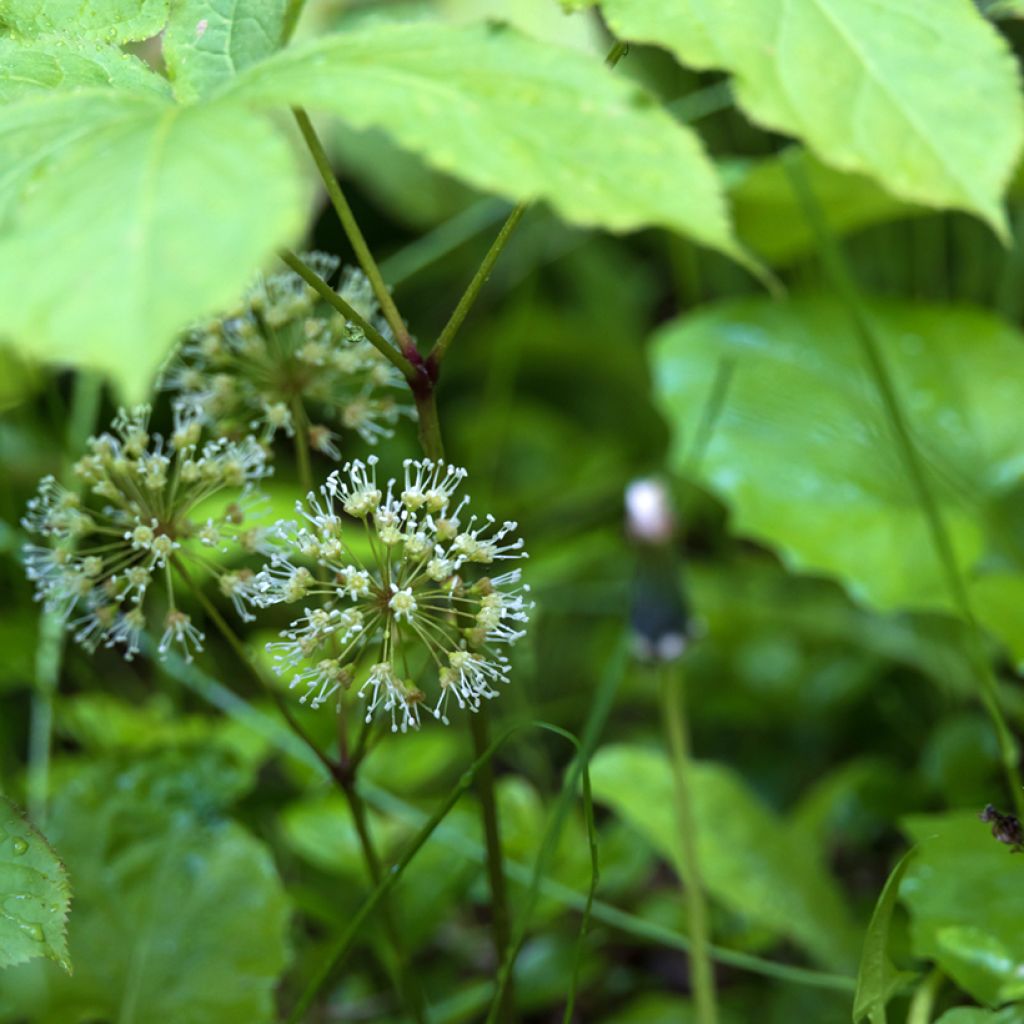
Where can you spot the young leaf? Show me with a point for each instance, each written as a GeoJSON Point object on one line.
{"type": "Point", "coordinates": [171, 211]}
{"type": "Point", "coordinates": [34, 894]}
{"type": "Point", "coordinates": [878, 980]}
{"type": "Point", "coordinates": [109, 21]}
{"type": "Point", "coordinates": [511, 116]}
{"type": "Point", "coordinates": [207, 42]}
{"type": "Point", "coordinates": [965, 894]}
{"type": "Point", "coordinates": [925, 101]}
{"type": "Point", "coordinates": [802, 450]}
{"type": "Point", "coordinates": [54, 64]}
{"type": "Point", "coordinates": [750, 861]}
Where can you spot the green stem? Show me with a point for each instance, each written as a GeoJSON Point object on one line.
{"type": "Point", "coordinates": [409, 992]}
{"type": "Point", "coordinates": [351, 228]}
{"type": "Point", "coordinates": [350, 934]}
{"type": "Point", "coordinates": [329, 295]}
{"type": "Point", "coordinates": [478, 726]}
{"type": "Point", "coordinates": [922, 1006]}
{"type": "Point", "coordinates": [433, 447]}
{"type": "Point", "coordinates": [345, 779]}
{"type": "Point", "coordinates": [292, 13]}
{"type": "Point", "coordinates": [871, 348]}
{"type": "Point", "coordinates": [430, 437]}
{"type": "Point", "coordinates": [302, 446]}
{"type": "Point", "coordinates": [469, 296]}
{"type": "Point", "coordinates": [702, 975]}
{"type": "Point", "coordinates": [85, 403]}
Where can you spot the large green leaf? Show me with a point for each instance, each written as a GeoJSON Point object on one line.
{"type": "Point", "coordinates": [55, 64]}
{"type": "Point", "coordinates": [208, 42]}
{"type": "Point", "coordinates": [126, 218]}
{"type": "Point", "coordinates": [802, 451]}
{"type": "Point", "coordinates": [511, 116]}
{"type": "Point", "coordinates": [965, 894]}
{"type": "Point", "coordinates": [878, 980]}
{"type": "Point", "coordinates": [924, 99]}
{"type": "Point", "coordinates": [751, 862]}
{"type": "Point", "coordinates": [34, 894]}
{"type": "Point", "coordinates": [111, 21]}
{"type": "Point", "coordinates": [179, 914]}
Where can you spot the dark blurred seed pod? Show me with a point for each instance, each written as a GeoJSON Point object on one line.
{"type": "Point", "coordinates": [659, 615]}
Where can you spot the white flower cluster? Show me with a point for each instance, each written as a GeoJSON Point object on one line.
{"type": "Point", "coordinates": [399, 588]}
{"type": "Point", "coordinates": [285, 354]}
{"type": "Point", "coordinates": [138, 516]}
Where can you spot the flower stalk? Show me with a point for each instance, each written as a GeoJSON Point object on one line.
{"type": "Point", "coordinates": [702, 977]}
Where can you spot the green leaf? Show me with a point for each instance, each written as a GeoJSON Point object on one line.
{"type": "Point", "coordinates": [179, 914]}
{"type": "Point", "coordinates": [172, 209]}
{"type": "Point", "coordinates": [970, 1015]}
{"type": "Point", "coordinates": [208, 42]}
{"type": "Point", "coordinates": [54, 64]}
{"type": "Point", "coordinates": [878, 980]}
{"type": "Point", "coordinates": [751, 862]}
{"type": "Point", "coordinates": [34, 894]}
{"type": "Point", "coordinates": [802, 451]}
{"type": "Point", "coordinates": [771, 221]}
{"type": "Point", "coordinates": [110, 21]}
{"type": "Point", "coordinates": [933, 114]}
{"type": "Point", "coordinates": [511, 116]}
{"type": "Point", "coordinates": [965, 894]}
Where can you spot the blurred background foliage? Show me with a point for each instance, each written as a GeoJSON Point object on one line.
{"type": "Point", "coordinates": [833, 704]}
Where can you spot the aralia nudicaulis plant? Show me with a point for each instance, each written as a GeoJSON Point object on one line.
{"type": "Point", "coordinates": [397, 583]}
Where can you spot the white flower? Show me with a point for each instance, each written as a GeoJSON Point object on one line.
{"type": "Point", "coordinates": [286, 352]}
{"type": "Point", "coordinates": [396, 581]}
{"type": "Point", "coordinates": [133, 522]}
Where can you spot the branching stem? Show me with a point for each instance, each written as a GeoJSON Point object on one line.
{"type": "Point", "coordinates": [352, 230]}
{"type": "Point", "coordinates": [329, 295]}
{"type": "Point", "coordinates": [469, 296]}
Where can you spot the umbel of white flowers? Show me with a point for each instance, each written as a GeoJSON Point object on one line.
{"type": "Point", "coordinates": [285, 353]}
{"type": "Point", "coordinates": [110, 545]}
{"type": "Point", "coordinates": [401, 589]}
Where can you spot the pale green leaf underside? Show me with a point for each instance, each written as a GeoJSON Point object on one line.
{"type": "Point", "coordinates": [965, 894]}
{"type": "Point", "coordinates": [111, 21]}
{"type": "Point", "coordinates": [126, 219]}
{"type": "Point", "coordinates": [511, 116]}
{"type": "Point", "coordinates": [802, 451]}
{"type": "Point", "coordinates": [53, 64]}
{"type": "Point", "coordinates": [923, 97]}
{"type": "Point", "coordinates": [34, 894]}
{"type": "Point", "coordinates": [749, 860]}
{"type": "Point", "coordinates": [208, 42]}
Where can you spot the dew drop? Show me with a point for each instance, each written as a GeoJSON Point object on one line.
{"type": "Point", "coordinates": [19, 845]}
{"type": "Point", "coordinates": [33, 931]}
